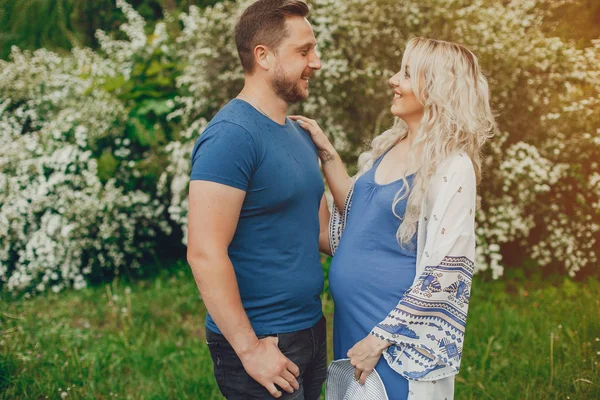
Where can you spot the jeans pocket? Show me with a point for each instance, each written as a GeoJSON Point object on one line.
{"type": "Point", "coordinates": [217, 358]}
{"type": "Point", "coordinates": [215, 352]}
{"type": "Point", "coordinates": [275, 335]}
{"type": "Point", "coordinates": [264, 336]}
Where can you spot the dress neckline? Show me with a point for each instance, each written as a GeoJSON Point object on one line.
{"type": "Point", "coordinates": [376, 165]}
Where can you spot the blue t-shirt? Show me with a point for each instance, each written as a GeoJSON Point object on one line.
{"type": "Point", "coordinates": [275, 248]}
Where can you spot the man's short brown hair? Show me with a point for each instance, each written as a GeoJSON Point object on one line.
{"type": "Point", "coordinates": [263, 22]}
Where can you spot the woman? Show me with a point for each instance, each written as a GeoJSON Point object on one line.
{"type": "Point", "coordinates": [402, 269]}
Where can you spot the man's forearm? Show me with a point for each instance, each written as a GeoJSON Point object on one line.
{"type": "Point", "coordinates": [216, 281]}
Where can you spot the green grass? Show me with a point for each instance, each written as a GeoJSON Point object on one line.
{"type": "Point", "coordinates": [145, 340]}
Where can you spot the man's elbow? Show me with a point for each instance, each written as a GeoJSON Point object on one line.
{"type": "Point", "coordinates": [192, 257]}
{"type": "Point", "coordinates": [193, 253]}
{"type": "Point", "coordinates": [201, 256]}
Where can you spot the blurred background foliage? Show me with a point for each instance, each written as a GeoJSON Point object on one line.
{"type": "Point", "coordinates": [101, 103]}
{"type": "Point", "coordinates": [100, 106]}
{"type": "Point", "coordinates": [64, 24]}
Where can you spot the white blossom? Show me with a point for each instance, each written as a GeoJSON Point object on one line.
{"type": "Point", "coordinates": [60, 221]}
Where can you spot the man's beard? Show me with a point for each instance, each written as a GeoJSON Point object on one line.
{"type": "Point", "coordinates": [285, 88]}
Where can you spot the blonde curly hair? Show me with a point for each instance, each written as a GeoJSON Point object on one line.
{"type": "Point", "coordinates": [457, 117]}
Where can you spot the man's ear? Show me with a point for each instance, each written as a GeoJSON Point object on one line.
{"type": "Point", "coordinates": [263, 57]}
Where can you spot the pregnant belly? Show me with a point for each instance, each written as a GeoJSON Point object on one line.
{"type": "Point", "coordinates": [369, 282]}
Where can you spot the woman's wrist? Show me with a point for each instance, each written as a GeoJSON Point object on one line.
{"type": "Point", "coordinates": [327, 154]}
{"type": "Point", "coordinates": [378, 343]}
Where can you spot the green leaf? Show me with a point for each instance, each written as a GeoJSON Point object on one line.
{"type": "Point", "coordinates": [145, 135]}
{"type": "Point", "coordinates": [112, 84]}
{"type": "Point", "coordinates": [107, 165]}
{"type": "Point", "coordinates": [155, 68]}
{"type": "Point", "coordinates": [159, 107]}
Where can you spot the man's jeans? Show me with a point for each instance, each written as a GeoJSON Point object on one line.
{"type": "Point", "coordinates": [306, 348]}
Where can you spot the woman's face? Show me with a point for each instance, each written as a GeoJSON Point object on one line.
{"type": "Point", "coordinates": [405, 104]}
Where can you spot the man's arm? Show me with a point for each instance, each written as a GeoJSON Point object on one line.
{"type": "Point", "coordinates": [213, 215]}
{"type": "Point", "coordinates": [324, 246]}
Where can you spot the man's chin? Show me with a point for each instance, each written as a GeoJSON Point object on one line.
{"type": "Point", "coordinates": [302, 94]}
{"type": "Point", "coordinates": [297, 97]}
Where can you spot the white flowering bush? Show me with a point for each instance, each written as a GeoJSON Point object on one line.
{"type": "Point", "coordinates": [96, 146]}
{"type": "Point", "coordinates": [539, 195]}
{"type": "Point", "coordinates": [72, 204]}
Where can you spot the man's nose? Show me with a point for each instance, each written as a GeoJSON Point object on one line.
{"type": "Point", "coordinates": [315, 62]}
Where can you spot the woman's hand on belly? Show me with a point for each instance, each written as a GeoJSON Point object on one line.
{"type": "Point", "coordinates": [365, 354]}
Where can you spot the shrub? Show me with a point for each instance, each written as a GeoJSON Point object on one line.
{"type": "Point", "coordinates": [96, 145]}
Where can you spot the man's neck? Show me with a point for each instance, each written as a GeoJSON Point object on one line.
{"type": "Point", "coordinates": [260, 95]}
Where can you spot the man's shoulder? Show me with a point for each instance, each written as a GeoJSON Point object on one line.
{"type": "Point", "coordinates": [232, 118]}
{"type": "Point", "coordinates": [226, 135]}
{"type": "Point", "coordinates": [235, 111]}
{"type": "Point", "coordinates": [225, 125]}
{"type": "Point", "coordinates": [226, 117]}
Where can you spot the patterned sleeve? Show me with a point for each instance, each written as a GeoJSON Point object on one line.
{"type": "Point", "coordinates": [337, 220]}
{"type": "Point", "coordinates": [427, 326]}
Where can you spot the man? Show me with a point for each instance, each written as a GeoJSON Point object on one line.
{"type": "Point", "coordinates": [256, 195]}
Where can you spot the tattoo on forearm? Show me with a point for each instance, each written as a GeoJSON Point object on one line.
{"type": "Point", "coordinates": [326, 156]}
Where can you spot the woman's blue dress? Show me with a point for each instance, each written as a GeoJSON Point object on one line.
{"type": "Point", "coordinates": [370, 271]}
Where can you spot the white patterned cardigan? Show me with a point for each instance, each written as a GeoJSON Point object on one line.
{"type": "Point", "coordinates": [427, 327]}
